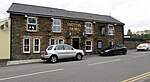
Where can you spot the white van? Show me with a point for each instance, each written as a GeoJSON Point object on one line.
{"type": "Point", "coordinates": [143, 46]}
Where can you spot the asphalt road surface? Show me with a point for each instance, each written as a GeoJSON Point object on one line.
{"type": "Point", "coordinates": [135, 66]}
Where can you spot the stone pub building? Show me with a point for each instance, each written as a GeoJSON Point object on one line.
{"type": "Point", "coordinates": [33, 28]}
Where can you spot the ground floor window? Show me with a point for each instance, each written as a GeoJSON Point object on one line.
{"type": "Point", "coordinates": [36, 45]}
{"type": "Point", "coordinates": [99, 44]}
{"type": "Point", "coordinates": [52, 41]}
{"type": "Point", "coordinates": [61, 41]}
{"type": "Point", "coordinates": [88, 46]}
{"type": "Point", "coordinates": [26, 45]}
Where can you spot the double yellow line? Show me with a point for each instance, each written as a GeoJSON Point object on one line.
{"type": "Point", "coordinates": [136, 78]}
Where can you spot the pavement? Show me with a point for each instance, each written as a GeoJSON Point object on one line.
{"type": "Point", "coordinates": [28, 61]}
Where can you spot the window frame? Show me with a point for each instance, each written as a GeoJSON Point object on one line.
{"type": "Point", "coordinates": [53, 25]}
{"type": "Point", "coordinates": [26, 45]}
{"type": "Point", "coordinates": [88, 45]}
{"type": "Point", "coordinates": [32, 24]}
{"type": "Point", "coordinates": [36, 45]}
{"type": "Point", "coordinates": [51, 41]}
{"type": "Point", "coordinates": [110, 31]}
{"type": "Point", "coordinates": [88, 28]}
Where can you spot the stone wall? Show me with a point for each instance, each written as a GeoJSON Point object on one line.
{"type": "Point", "coordinates": [69, 29]}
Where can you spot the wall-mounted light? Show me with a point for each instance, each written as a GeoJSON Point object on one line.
{"type": "Point", "coordinates": [26, 15]}
{"type": "Point", "coordinates": [69, 33]}
{"type": "Point", "coordinates": [115, 24]}
{"type": "Point", "coordinates": [52, 18]}
{"type": "Point", "coordinates": [83, 33]}
{"type": "Point", "coordinates": [94, 22]}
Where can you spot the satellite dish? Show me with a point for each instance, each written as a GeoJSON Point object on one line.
{"type": "Point", "coordinates": [6, 24]}
{"type": "Point", "coordinates": [2, 27]}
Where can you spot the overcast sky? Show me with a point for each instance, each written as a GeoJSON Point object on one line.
{"type": "Point", "coordinates": [134, 13]}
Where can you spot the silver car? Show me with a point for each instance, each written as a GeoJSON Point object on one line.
{"type": "Point", "coordinates": [61, 51]}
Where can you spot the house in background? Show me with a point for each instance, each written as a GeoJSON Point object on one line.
{"type": "Point", "coordinates": [33, 28]}
{"type": "Point", "coordinates": [5, 39]}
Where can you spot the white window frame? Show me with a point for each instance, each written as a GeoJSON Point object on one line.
{"type": "Point", "coordinates": [26, 45]}
{"type": "Point", "coordinates": [56, 25]}
{"type": "Point", "coordinates": [32, 24]}
{"type": "Point", "coordinates": [36, 45]}
{"type": "Point", "coordinates": [51, 40]}
{"type": "Point", "coordinates": [110, 31]}
{"type": "Point", "coordinates": [62, 40]}
{"type": "Point", "coordinates": [88, 28]}
{"type": "Point", "coordinates": [88, 45]}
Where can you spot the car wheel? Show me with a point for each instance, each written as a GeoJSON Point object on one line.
{"type": "Point", "coordinates": [79, 56]}
{"type": "Point", "coordinates": [147, 49]}
{"type": "Point", "coordinates": [124, 52]}
{"type": "Point", "coordinates": [53, 59]}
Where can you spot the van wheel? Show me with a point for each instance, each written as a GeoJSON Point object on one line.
{"type": "Point", "coordinates": [79, 56]}
{"type": "Point", "coordinates": [53, 59]}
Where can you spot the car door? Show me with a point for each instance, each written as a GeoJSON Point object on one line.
{"type": "Point", "coordinates": [118, 49]}
{"type": "Point", "coordinates": [70, 51]}
{"type": "Point", "coordinates": [61, 53]}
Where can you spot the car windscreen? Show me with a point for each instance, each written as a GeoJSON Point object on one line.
{"type": "Point", "coordinates": [49, 47]}
{"type": "Point", "coordinates": [143, 44]}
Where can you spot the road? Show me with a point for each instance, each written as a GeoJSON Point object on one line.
{"type": "Point", "coordinates": [119, 68]}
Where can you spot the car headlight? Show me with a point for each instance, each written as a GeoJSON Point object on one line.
{"type": "Point", "coordinates": [107, 50]}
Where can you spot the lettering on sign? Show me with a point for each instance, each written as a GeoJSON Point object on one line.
{"type": "Point", "coordinates": [74, 26]}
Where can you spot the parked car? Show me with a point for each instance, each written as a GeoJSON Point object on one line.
{"type": "Point", "coordinates": [114, 49]}
{"type": "Point", "coordinates": [60, 51]}
{"type": "Point", "coordinates": [143, 46]}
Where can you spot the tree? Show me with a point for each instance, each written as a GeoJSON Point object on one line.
{"type": "Point", "coordinates": [129, 32]}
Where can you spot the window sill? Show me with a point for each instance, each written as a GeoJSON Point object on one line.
{"type": "Point", "coordinates": [57, 32]}
{"type": "Point", "coordinates": [26, 52]}
{"type": "Point", "coordinates": [36, 52]}
{"type": "Point", "coordinates": [88, 50]}
{"type": "Point", "coordinates": [32, 31]}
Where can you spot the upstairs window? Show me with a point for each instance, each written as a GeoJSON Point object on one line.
{"type": "Point", "coordinates": [88, 27]}
{"type": "Point", "coordinates": [26, 45]}
{"type": "Point", "coordinates": [110, 29]}
{"type": "Point", "coordinates": [36, 45]}
{"type": "Point", "coordinates": [31, 24]}
{"type": "Point", "coordinates": [56, 25]}
{"type": "Point", "coordinates": [103, 31]}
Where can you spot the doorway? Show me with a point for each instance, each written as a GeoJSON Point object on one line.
{"type": "Point", "coordinates": [75, 43]}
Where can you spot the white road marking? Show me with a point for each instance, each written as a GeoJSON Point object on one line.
{"type": "Point", "coordinates": [104, 62]}
{"type": "Point", "coordinates": [31, 74]}
{"type": "Point", "coordinates": [138, 56]}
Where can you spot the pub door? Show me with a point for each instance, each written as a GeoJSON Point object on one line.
{"type": "Point", "coordinates": [75, 43]}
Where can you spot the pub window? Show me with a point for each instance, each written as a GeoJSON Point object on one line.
{"type": "Point", "coordinates": [88, 27]}
{"type": "Point", "coordinates": [36, 45]}
{"type": "Point", "coordinates": [110, 29]}
{"type": "Point", "coordinates": [88, 46]}
{"type": "Point", "coordinates": [26, 45]}
{"type": "Point", "coordinates": [99, 44]}
{"type": "Point", "coordinates": [61, 41]}
{"type": "Point", "coordinates": [31, 22]}
{"type": "Point", "coordinates": [56, 25]}
{"type": "Point", "coordinates": [103, 31]}
{"type": "Point", "coordinates": [52, 41]}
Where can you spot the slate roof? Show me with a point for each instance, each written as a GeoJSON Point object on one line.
{"type": "Point", "coordinates": [25, 9]}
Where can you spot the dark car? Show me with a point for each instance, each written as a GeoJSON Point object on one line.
{"type": "Point", "coordinates": [114, 49]}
